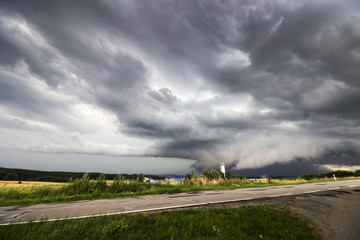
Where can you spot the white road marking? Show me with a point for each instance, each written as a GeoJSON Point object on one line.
{"type": "Point", "coordinates": [353, 185]}
{"type": "Point", "coordinates": [314, 191]}
{"type": "Point", "coordinates": [109, 214]}
{"type": "Point", "coordinates": [334, 188]}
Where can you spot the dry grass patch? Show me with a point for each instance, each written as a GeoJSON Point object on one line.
{"type": "Point", "coordinates": [15, 184]}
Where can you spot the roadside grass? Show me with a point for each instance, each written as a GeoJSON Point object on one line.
{"type": "Point", "coordinates": [244, 222]}
{"type": "Point", "coordinates": [85, 189]}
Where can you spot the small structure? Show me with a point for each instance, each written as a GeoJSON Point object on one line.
{"type": "Point", "coordinates": [222, 168]}
{"type": "Point", "coordinates": [174, 180]}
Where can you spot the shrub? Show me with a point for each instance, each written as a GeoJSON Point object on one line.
{"type": "Point", "coordinates": [214, 175]}
{"type": "Point", "coordinates": [140, 177]}
{"type": "Point", "coordinates": [205, 174]}
{"type": "Point", "coordinates": [82, 185]}
{"type": "Point", "coordinates": [188, 177]}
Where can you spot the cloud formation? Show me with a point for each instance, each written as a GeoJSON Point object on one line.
{"type": "Point", "coordinates": [248, 83]}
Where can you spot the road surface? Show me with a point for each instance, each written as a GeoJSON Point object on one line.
{"type": "Point", "coordinates": [82, 209]}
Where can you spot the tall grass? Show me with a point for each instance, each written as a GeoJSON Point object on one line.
{"type": "Point", "coordinates": [84, 188]}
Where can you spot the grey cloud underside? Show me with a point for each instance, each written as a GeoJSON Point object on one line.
{"type": "Point", "coordinates": [296, 60]}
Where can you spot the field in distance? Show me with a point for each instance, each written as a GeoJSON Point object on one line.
{"type": "Point", "coordinates": [17, 184]}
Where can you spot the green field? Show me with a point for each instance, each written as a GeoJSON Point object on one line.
{"type": "Point", "coordinates": [246, 222]}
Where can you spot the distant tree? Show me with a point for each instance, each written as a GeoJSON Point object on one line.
{"type": "Point", "coordinates": [214, 175]}
{"type": "Point", "coordinates": [188, 177]}
{"type": "Point", "coordinates": [343, 173]}
{"type": "Point", "coordinates": [357, 173]}
{"type": "Point", "coordinates": [310, 176]}
{"type": "Point", "coordinates": [205, 174]}
{"type": "Point", "coordinates": [228, 175]}
{"type": "Point", "coordinates": [140, 177]}
{"type": "Point", "coordinates": [239, 176]}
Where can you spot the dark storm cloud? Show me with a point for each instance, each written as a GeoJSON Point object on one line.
{"type": "Point", "coordinates": [234, 81]}
{"type": "Point", "coordinates": [284, 170]}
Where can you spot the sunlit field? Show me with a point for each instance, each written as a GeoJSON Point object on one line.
{"type": "Point", "coordinates": [22, 184]}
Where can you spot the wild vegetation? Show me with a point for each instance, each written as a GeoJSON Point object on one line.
{"type": "Point", "coordinates": [84, 188]}
{"type": "Point", "coordinates": [247, 222]}
{"type": "Point", "coordinates": [339, 173]}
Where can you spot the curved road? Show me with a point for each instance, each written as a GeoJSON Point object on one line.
{"type": "Point", "coordinates": [82, 209]}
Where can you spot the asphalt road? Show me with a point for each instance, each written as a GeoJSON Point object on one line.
{"type": "Point", "coordinates": [83, 209]}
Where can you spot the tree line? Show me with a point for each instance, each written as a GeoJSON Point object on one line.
{"type": "Point", "coordinates": [16, 174]}
{"type": "Point", "coordinates": [339, 173]}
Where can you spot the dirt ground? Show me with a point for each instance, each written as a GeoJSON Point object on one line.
{"type": "Point", "coordinates": [27, 184]}
{"type": "Point", "coordinates": [336, 214]}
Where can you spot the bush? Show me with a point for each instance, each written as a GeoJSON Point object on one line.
{"type": "Point", "coordinates": [188, 177]}
{"type": "Point", "coordinates": [214, 175]}
{"type": "Point", "coordinates": [140, 177]}
{"type": "Point", "coordinates": [82, 185]}
{"type": "Point", "coordinates": [205, 174]}
{"type": "Point", "coordinates": [228, 175]}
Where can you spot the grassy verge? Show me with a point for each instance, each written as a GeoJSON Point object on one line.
{"type": "Point", "coordinates": [246, 222]}
{"type": "Point", "coordinates": [84, 189]}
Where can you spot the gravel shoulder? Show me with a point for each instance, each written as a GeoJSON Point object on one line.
{"type": "Point", "coordinates": [336, 213]}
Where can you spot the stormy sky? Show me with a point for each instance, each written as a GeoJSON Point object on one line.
{"type": "Point", "coordinates": [166, 86]}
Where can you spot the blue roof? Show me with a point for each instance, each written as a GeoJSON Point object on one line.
{"type": "Point", "coordinates": [178, 179]}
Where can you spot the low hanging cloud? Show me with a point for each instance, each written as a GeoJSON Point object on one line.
{"type": "Point", "coordinates": [248, 83]}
